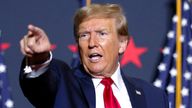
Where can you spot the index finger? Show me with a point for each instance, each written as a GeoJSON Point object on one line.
{"type": "Point", "coordinates": [35, 31]}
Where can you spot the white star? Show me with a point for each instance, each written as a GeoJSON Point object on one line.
{"type": "Point", "coordinates": [182, 106]}
{"type": "Point", "coordinates": [185, 92]}
{"type": "Point", "coordinates": [173, 72]}
{"type": "Point", "coordinates": [162, 67]}
{"type": "Point", "coordinates": [170, 104]}
{"type": "Point", "coordinates": [158, 83]}
{"type": "Point", "coordinates": [166, 51]}
{"type": "Point", "coordinates": [175, 18]}
{"type": "Point", "coordinates": [187, 75]}
{"type": "Point", "coordinates": [190, 43]}
{"type": "Point", "coordinates": [182, 38]}
{"type": "Point", "coordinates": [189, 59]}
{"type": "Point", "coordinates": [191, 26]}
{"type": "Point", "coordinates": [175, 55]}
{"type": "Point", "coordinates": [171, 34]}
{"type": "Point", "coordinates": [184, 22]}
{"type": "Point", "coordinates": [2, 68]}
{"type": "Point", "coordinates": [170, 89]}
{"type": "Point", "coordinates": [9, 103]}
{"type": "Point", "coordinates": [186, 6]}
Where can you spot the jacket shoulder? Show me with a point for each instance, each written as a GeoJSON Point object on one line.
{"type": "Point", "coordinates": [146, 86]}
{"type": "Point", "coordinates": [154, 96]}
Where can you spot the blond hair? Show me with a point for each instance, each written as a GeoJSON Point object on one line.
{"type": "Point", "coordinates": [102, 11]}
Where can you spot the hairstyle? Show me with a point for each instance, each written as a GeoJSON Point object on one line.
{"type": "Point", "coordinates": [102, 11]}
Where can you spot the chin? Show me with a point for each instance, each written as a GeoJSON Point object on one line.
{"type": "Point", "coordinates": [97, 75]}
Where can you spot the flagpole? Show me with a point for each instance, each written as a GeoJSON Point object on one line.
{"type": "Point", "coordinates": [88, 2]}
{"type": "Point", "coordinates": [179, 55]}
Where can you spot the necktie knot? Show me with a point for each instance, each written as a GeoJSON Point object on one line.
{"type": "Point", "coordinates": [107, 81]}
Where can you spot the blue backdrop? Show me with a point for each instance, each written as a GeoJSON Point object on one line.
{"type": "Point", "coordinates": [148, 22]}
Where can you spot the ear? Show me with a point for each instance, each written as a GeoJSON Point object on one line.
{"type": "Point", "coordinates": [123, 41]}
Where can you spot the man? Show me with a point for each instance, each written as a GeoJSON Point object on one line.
{"type": "Point", "coordinates": [101, 34]}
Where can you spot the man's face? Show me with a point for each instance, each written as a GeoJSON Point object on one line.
{"type": "Point", "coordinates": [99, 46]}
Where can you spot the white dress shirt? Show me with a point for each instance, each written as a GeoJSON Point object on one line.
{"type": "Point", "coordinates": [119, 90]}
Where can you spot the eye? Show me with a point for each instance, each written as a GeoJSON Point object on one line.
{"type": "Point", "coordinates": [102, 33]}
{"type": "Point", "coordinates": [83, 35]}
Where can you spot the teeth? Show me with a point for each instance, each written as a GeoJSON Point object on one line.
{"type": "Point", "coordinates": [95, 57]}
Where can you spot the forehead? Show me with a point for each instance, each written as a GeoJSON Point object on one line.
{"type": "Point", "coordinates": [97, 23]}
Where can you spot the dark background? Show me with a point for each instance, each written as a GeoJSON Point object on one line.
{"type": "Point", "coordinates": [148, 22]}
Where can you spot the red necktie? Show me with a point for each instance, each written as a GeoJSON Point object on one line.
{"type": "Point", "coordinates": [109, 99]}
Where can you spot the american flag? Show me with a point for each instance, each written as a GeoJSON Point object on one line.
{"type": "Point", "coordinates": [5, 97]}
{"type": "Point", "coordinates": [167, 68]}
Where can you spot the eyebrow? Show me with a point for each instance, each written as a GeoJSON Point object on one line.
{"type": "Point", "coordinates": [103, 29]}
{"type": "Point", "coordinates": [97, 30]}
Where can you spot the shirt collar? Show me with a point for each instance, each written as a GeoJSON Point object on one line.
{"type": "Point", "coordinates": [116, 77]}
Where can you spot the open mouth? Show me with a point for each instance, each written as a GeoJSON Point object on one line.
{"type": "Point", "coordinates": [95, 57]}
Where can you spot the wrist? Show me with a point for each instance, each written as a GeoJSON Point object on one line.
{"type": "Point", "coordinates": [34, 66]}
{"type": "Point", "coordinates": [38, 59]}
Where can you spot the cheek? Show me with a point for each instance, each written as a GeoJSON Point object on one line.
{"type": "Point", "coordinates": [82, 47]}
{"type": "Point", "coordinates": [112, 50]}
{"type": "Point", "coordinates": [82, 50]}
{"type": "Point", "coordinates": [114, 45]}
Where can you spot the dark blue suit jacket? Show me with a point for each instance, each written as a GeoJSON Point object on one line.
{"type": "Point", "coordinates": [62, 87]}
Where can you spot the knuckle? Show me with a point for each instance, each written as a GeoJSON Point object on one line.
{"type": "Point", "coordinates": [27, 50]}
{"type": "Point", "coordinates": [30, 44]}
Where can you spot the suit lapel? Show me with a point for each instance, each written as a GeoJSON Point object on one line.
{"type": "Point", "coordinates": [87, 87]}
{"type": "Point", "coordinates": [136, 94]}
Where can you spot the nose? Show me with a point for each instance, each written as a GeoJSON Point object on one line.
{"type": "Point", "coordinates": [93, 41]}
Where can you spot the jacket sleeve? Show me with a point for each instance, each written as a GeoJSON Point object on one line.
{"type": "Point", "coordinates": [41, 91]}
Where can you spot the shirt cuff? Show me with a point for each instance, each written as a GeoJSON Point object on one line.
{"type": "Point", "coordinates": [31, 73]}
